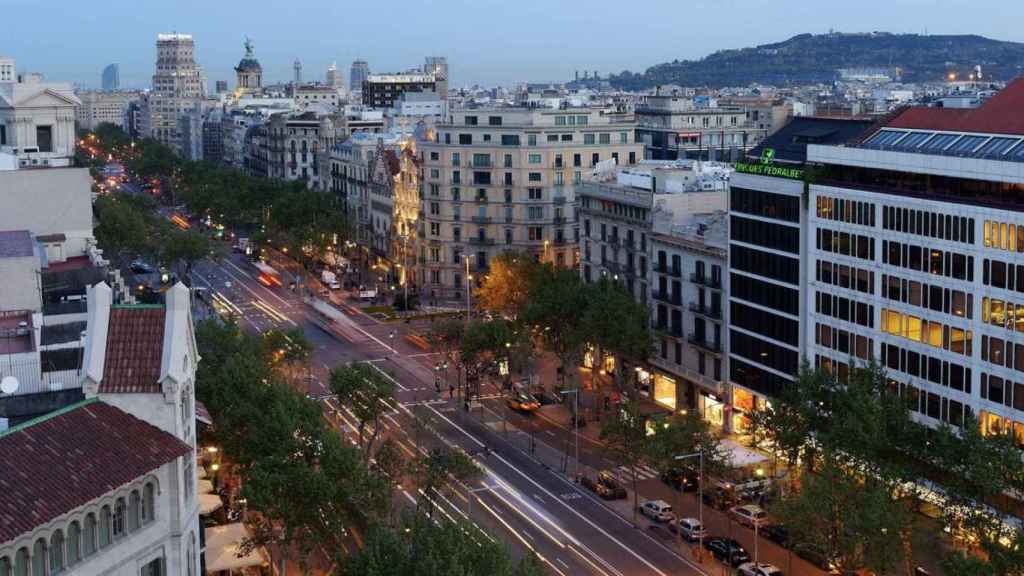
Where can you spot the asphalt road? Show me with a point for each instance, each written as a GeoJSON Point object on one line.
{"type": "Point", "coordinates": [520, 501]}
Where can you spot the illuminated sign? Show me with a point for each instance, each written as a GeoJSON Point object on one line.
{"type": "Point", "coordinates": [766, 167]}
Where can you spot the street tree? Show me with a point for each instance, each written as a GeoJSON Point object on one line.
{"type": "Point", "coordinates": [368, 394]}
{"type": "Point", "coordinates": [625, 436]}
{"type": "Point", "coordinates": [436, 468]}
{"type": "Point", "coordinates": [509, 283]}
{"type": "Point", "coordinates": [123, 228]}
{"type": "Point", "coordinates": [618, 324]}
{"type": "Point", "coordinates": [555, 312]}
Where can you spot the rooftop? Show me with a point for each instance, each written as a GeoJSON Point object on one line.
{"type": "Point", "coordinates": [15, 244]}
{"type": "Point", "coordinates": [790, 142]}
{"type": "Point", "coordinates": [135, 341]}
{"type": "Point", "coordinates": [67, 458]}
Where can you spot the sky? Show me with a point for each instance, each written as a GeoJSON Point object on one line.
{"type": "Point", "coordinates": [487, 42]}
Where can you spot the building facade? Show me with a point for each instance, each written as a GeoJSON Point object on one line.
{"type": "Point", "coordinates": [248, 73]}
{"type": "Point", "coordinates": [504, 179]}
{"type": "Point", "coordinates": [37, 118]}
{"type": "Point", "coordinates": [672, 127]}
{"type": "Point", "coordinates": [104, 107]}
{"type": "Point", "coordinates": [358, 74]}
{"type": "Point", "coordinates": [383, 90]}
{"type": "Point", "coordinates": [111, 78]}
{"type": "Point", "coordinates": [178, 83]}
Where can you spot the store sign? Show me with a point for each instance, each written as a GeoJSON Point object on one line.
{"type": "Point", "coordinates": [766, 167]}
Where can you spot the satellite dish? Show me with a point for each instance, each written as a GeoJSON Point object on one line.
{"type": "Point", "coordinates": [9, 385]}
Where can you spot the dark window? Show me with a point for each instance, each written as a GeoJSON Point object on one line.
{"type": "Point", "coordinates": [765, 293]}
{"type": "Point", "coordinates": [44, 138]}
{"type": "Point", "coordinates": [768, 204]}
{"type": "Point", "coordinates": [494, 120]}
{"type": "Point", "coordinates": [755, 378]}
{"type": "Point", "coordinates": [773, 266]}
{"type": "Point", "coordinates": [510, 140]}
{"type": "Point", "coordinates": [767, 234]}
{"type": "Point", "coordinates": [3, 135]}
{"type": "Point", "coordinates": [465, 139]}
{"type": "Point", "coordinates": [765, 323]}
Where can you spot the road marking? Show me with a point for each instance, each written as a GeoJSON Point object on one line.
{"type": "Point", "coordinates": [388, 376]}
{"type": "Point", "coordinates": [460, 429]}
{"type": "Point", "coordinates": [562, 562]}
{"type": "Point", "coordinates": [246, 274]}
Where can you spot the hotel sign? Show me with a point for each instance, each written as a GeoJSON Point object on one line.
{"type": "Point", "coordinates": [766, 167]}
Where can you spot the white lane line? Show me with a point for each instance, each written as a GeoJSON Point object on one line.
{"type": "Point", "coordinates": [562, 562]}
{"type": "Point", "coordinates": [459, 428]}
{"type": "Point", "coordinates": [388, 376]}
{"type": "Point", "coordinates": [246, 274]}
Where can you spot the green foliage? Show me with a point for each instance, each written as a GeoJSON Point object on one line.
{"type": "Point", "coordinates": [290, 346]}
{"type": "Point", "coordinates": [617, 323]}
{"type": "Point", "coordinates": [554, 311]}
{"type": "Point", "coordinates": [419, 547]}
{"type": "Point", "coordinates": [364, 390]}
{"type": "Point", "coordinates": [508, 284]}
{"type": "Point", "coordinates": [625, 436]}
{"type": "Point", "coordinates": [435, 469]}
{"type": "Point", "coordinates": [685, 434]}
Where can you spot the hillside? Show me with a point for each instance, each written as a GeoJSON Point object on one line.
{"type": "Point", "coordinates": [807, 59]}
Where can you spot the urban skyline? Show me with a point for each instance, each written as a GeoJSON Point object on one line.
{"type": "Point", "coordinates": [524, 56]}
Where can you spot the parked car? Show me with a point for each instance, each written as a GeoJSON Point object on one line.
{"type": "Point", "coordinates": [749, 515]}
{"type": "Point", "coordinates": [604, 485]}
{"type": "Point", "coordinates": [657, 510]}
{"type": "Point", "coordinates": [522, 402]}
{"type": "Point", "coordinates": [719, 498]}
{"type": "Point", "coordinates": [776, 533]}
{"type": "Point", "coordinates": [727, 550]}
{"type": "Point", "coordinates": [682, 479]}
{"type": "Point", "coordinates": [758, 569]}
{"type": "Point", "coordinates": [690, 528]}
{"type": "Point", "coordinates": [814, 555]}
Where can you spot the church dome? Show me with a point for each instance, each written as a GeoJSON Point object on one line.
{"type": "Point", "coordinates": [249, 65]}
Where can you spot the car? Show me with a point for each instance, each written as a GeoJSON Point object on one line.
{"type": "Point", "coordinates": [140, 267]}
{"type": "Point", "coordinates": [727, 550]}
{"type": "Point", "coordinates": [690, 528]}
{"type": "Point", "coordinates": [749, 515]}
{"type": "Point", "coordinates": [720, 498]}
{"type": "Point", "coordinates": [657, 510]}
{"type": "Point", "coordinates": [776, 533]}
{"type": "Point", "coordinates": [758, 569]}
{"type": "Point", "coordinates": [604, 485]}
{"type": "Point", "coordinates": [814, 555]}
{"type": "Point", "coordinates": [684, 479]}
{"type": "Point", "coordinates": [522, 402]}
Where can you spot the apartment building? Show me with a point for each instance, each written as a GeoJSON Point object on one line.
{"type": "Point", "coordinates": [674, 126]}
{"type": "Point", "coordinates": [178, 83]}
{"type": "Point", "coordinates": [916, 258]}
{"type": "Point", "coordinates": [767, 281]}
{"type": "Point", "coordinates": [504, 179]}
{"type": "Point", "coordinates": [299, 146]}
{"type": "Point", "coordinates": [104, 107]}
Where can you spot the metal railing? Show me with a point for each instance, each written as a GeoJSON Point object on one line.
{"type": "Point", "coordinates": [705, 280]}
{"type": "Point", "coordinates": [707, 311]}
{"type": "Point", "coordinates": [701, 342]}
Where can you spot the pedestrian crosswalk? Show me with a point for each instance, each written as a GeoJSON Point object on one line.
{"type": "Point", "coordinates": [624, 474]}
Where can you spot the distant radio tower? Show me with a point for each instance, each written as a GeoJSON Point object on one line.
{"type": "Point", "coordinates": [298, 71]}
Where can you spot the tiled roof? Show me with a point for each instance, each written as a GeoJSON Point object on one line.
{"type": "Point", "coordinates": [135, 341]}
{"type": "Point", "coordinates": [1001, 114]}
{"type": "Point", "coordinates": [70, 457]}
{"type": "Point", "coordinates": [15, 244]}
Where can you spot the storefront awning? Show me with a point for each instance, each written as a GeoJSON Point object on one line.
{"type": "Point", "coordinates": [204, 487]}
{"type": "Point", "coordinates": [209, 503]}
{"type": "Point", "coordinates": [740, 455]}
{"type": "Point", "coordinates": [223, 549]}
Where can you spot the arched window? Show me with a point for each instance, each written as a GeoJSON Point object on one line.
{"type": "Point", "coordinates": [39, 558]}
{"type": "Point", "coordinates": [74, 543]}
{"type": "Point", "coordinates": [21, 562]}
{"type": "Point", "coordinates": [5, 566]}
{"type": "Point", "coordinates": [148, 502]}
{"type": "Point", "coordinates": [134, 511]}
{"type": "Point", "coordinates": [57, 552]}
{"type": "Point", "coordinates": [89, 535]}
{"type": "Point", "coordinates": [119, 517]}
{"type": "Point", "coordinates": [105, 527]}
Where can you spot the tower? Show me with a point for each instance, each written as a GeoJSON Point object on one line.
{"type": "Point", "coordinates": [177, 83]}
{"type": "Point", "coordinates": [298, 72]}
{"type": "Point", "coordinates": [111, 80]}
{"type": "Point", "coordinates": [359, 73]}
{"type": "Point", "coordinates": [248, 73]}
{"type": "Point", "coordinates": [333, 78]}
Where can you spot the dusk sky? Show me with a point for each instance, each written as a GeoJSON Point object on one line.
{"type": "Point", "coordinates": [486, 41]}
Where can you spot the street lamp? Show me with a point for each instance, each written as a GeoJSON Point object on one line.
{"type": "Point", "coordinates": [699, 454]}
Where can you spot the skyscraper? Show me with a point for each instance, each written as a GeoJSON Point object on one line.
{"type": "Point", "coordinates": [298, 72]}
{"type": "Point", "coordinates": [111, 78]}
{"type": "Point", "coordinates": [360, 71]}
{"type": "Point", "coordinates": [177, 84]}
{"type": "Point", "coordinates": [333, 78]}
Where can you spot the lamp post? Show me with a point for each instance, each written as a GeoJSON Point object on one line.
{"type": "Point", "coordinates": [699, 454]}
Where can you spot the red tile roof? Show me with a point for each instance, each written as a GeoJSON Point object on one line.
{"type": "Point", "coordinates": [1001, 114]}
{"type": "Point", "coordinates": [135, 342]}
{"type": "Point", "coordinates": [70, 457]}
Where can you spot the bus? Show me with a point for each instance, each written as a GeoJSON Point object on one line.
{"type": "Point", "coordinates": [267, 275]}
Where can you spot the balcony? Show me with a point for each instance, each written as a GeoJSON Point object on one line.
{"type": "Point", "coordinates": [558, 220]}
{"type": "Point", "coordinates": [706, 311]}
{"type": "Point", "coordinates": [480, 163]}
{"type": "Point", "coordinates": [667, 298]}
{"type": "Point", "coordinates": [700, 341]}
{"type": "Point", "coordinates": [669, 270]}
{"type": "Point", "coordinates": [481, 219]}
{"type": "Point", "coordinates": [705, 280]}
{"type": "Point", "coordinates": [480, 241]}
{"type": "Point", "coordinates": [558, 199]}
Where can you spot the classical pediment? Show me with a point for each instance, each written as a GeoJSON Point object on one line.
{"type": "Point", "coordinates": [46, 98]}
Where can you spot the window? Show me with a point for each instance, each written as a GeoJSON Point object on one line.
{"type": "Point", "coordinates": [148, 503]}
{"type": "Point", "coordinates": [465, 139]}
{"type": "Point", "coordinates": [588, 139]}
{"type": "Point", "coordinates": [531, 139]}
{"type": "Point", "coordinates": [154, 568]}
{"type": "Point", "coordinates": [39, 558]}
{"type": "Point", "coordinates": [534, 177]}
{"type": "Point", "coordinates": [57, 552]}
{"type": "Point", "coordinates": [623, 137]}
{"type": "Point", "coordinates": [604, 138]}
{"type": "Point", "coordinates": [89, 535]}
{"type": "Point", "coordinates": [120, 514]}
{"type": "Point", "coordinates": [134, 511]}
{"type": "Point", "coordinates": [535, 159]}
{"type": "Point", "coordinates": [74, 543]}
{"type": "Point", "coordinates": [44, 138]}
{"type": "Point", "coordinates": [105, 535]}
{"type": "Point", "coordinates": [494, 120]}
{"type": "Point", "coordinates": [510, 140]}
{"type": "Point", "coordinates": [535, 193]}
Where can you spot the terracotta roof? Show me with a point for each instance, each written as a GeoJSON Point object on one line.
{"type": "Point", "coordinates": [135, 342]}
{"type": "Point", "coordinates": [1000, 114]}
{"type": "Point", "coordinates": [70, 457]}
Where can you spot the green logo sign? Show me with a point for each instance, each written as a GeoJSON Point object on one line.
{"type": "Point", "coordinates": [766, 167]}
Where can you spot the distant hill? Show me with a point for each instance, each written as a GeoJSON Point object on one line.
{"type": "Point", "coordinates": [808, 59]}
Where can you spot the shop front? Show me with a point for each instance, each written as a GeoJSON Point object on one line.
{"type": "Point", "coordinates": [713, 409]}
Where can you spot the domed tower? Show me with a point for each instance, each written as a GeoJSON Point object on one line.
{"type": "Point", "coordinates": [249, 72]}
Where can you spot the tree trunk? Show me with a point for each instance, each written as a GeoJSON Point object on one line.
{"type": "Point", "coordinates": [908, 552]}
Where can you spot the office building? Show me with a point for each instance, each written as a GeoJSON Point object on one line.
{"type": "Point", "coordinates": [916, 258]}
{"type": "Point", "coordinates": [104, 108]}
{"type": "Point", "coordinates": [358, 74]}
{"type": "Point", "coordinates": [673, 126]}
{"type": "Point", "coordinates": [333, 77]}
{"type": "Point", "coordinates": [383, 90]}
{"type": "Point", "coordinates": [37, 118]}
{"type": "Point", "coordinates": [178, 83]}
{"type": "Point", "coordinates": [769, 274]}
{"type": "Point", "coordinates": [111, 80]}
{"type": "Point", "coordinates": [504, 179]}
{"type": "Point", "coordinates": [437, 66]}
